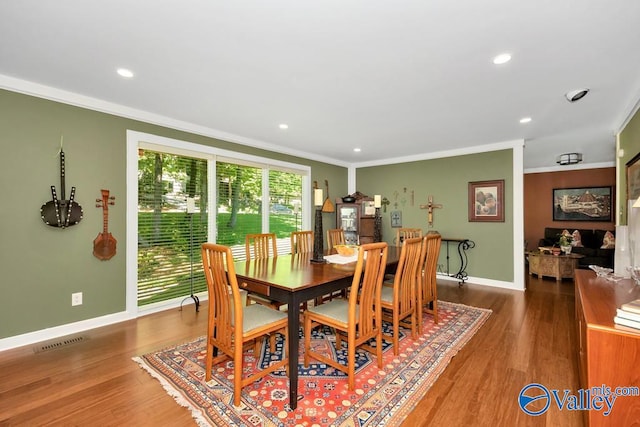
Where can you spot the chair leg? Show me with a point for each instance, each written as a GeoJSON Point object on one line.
{"type": "Point", "coordinates": [396, 330]}
{"type": "Point", "coordinates": [208, 362]}
{"type": "Point", "coordinates": [237, 373]}
{"type": "Point", "coordinates": [414, 326]}
{"type": "Point", "coordinates": [351, 361]}
{"type": "Point", "coordinates": [419, 309]}
{"type": "Point", "coordinates": [285, 337]}
{"type": "Point", "coordinates": [307, 340]}
{"type": "Point", "coordinates": [379, 348]}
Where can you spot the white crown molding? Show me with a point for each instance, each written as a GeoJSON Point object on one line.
{"type": "Point", "coordinates": [571, 167]}
{"type": "Point", "coordinates": [443, 154]}
{"type": "Point", "coordinates": [46, 92]}
{"type": "Point", "coordinates": [631, 111]}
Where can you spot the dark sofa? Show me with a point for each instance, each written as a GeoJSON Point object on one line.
{"type": "Point", "coordinates": [591, 241]}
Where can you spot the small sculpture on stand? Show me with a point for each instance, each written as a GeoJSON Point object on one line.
{"type": "Point", "coordinates": [377, 224]}
{"type": "Point", "coordinates": [318, 238]}
{"type": "Point", "coordinates": [191, 208]}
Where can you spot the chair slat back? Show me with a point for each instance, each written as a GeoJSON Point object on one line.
{"type": "Point", "coordinates": [223, 292]}
{"type": "Point", "coordinates": [366, 287]}
{"type": "Point", "coordinates": [335, 236]}
{"type": "Point", "coordinates": [431, 246]}
{"type": "Point", "coordinates": [301, 242]}
{"type": "Point", "coordinates": [406, 279]}
{"type": "Point", "coordinates": [407, 233]}
{"type": "Point", "coordinates": [262, 245]}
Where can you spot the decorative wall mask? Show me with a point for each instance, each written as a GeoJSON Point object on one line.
{"type": "Point", "coordinates": [61, 212]}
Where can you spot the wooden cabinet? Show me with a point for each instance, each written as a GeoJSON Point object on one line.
{"type": "Point", "coordinates": [608, 354]}
{"type": "Point", "coordinates": [558, 266]}
{"type": "Point", "coordinates": [358, 227]}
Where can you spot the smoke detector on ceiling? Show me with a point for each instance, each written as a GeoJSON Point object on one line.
{"type": "Point", "coordinates": [576, 95]}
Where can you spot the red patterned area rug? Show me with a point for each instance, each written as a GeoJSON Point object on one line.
{"type": "Point", "coordinates": [381, 396]}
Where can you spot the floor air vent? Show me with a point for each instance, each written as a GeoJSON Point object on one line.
{"type": "Point", "coordinates": [62, 342]}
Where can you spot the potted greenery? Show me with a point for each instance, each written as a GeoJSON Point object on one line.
{"type": "Point", "coordinates": [565, 243]}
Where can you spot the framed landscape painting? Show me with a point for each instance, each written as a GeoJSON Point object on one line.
{"type": "Point", "coordinates": [582, 204]}
{"type": "Point", "coordinates": [486, 201]}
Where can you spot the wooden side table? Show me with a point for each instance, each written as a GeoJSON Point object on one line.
{"type": "Point", "coordinates": [558, 266]}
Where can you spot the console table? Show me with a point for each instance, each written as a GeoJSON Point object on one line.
{"type": "Point", "coordinates": [558, 266]}
{"type": "Point", "coordinates": [463, 246]}
{"type": "Point", "coordinates": [608, 354]}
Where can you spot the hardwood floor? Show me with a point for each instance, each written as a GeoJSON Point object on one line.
{"type": "Point", "coordinates": [530, 337]}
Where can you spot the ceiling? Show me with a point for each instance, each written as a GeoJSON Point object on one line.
{"type": "Point", "coordinates": [393, 78]}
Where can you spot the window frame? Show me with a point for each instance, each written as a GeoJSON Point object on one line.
{"type": "Point", "coordinates": [136, 140]}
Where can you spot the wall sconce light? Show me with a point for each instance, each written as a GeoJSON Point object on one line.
{"type": "Point", "coordinates": [569, 159]}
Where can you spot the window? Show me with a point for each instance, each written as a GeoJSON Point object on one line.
{"type": "Point", "coordinates": [234, 194]}
{"type": "Point", "coordinates": [169, 237]}
{"type": "Point", "coordinates": [242, 205]}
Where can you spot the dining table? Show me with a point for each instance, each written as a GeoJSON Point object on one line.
{"type": "Point", "coordinates": [294, 279]}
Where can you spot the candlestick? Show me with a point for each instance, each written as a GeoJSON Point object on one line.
{"type": "Point", "coordinates": [191, 205]}
{"type": "Point", "coordinates": [318, 237]}
{"type": "Point", "coordinates": [377, 226]}
{"type": "Point", "coordinates": [317, 197]}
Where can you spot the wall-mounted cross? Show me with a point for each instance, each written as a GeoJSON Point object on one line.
{"type": "Point", "coordinates": [430, 207]}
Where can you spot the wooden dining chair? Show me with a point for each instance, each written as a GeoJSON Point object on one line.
{"type": "Point", "coordinates": [335, 236]}
{"type": "Point", "coordinates": [428, 291]}
{"type": "Point", "coordinates": [260, 246]}
{"type": "Point", "coordinates": [406, 233]}
{"type": "Point", "coordinates": [398, 298]}
{"type": "Point", "coordinates": [301, 242]}
{"type": "Point", "coordinates": [231, 325]}
{"type": "Point", "coordinates": [359, 317]}
{"type": "Point", "coordinates": [263, 246]}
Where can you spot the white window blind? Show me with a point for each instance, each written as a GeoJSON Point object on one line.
{"type": "Point", "coordinates": [247, 194]}
{"type": "Point", "coordinates": [169, 238]}
{"type": "Point", "coordinates": [241, 199]}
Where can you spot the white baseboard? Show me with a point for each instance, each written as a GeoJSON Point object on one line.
{"type": "Point", "coordinates": [484, 282]}
{"type": "Point", "coordinates": [63, 330]}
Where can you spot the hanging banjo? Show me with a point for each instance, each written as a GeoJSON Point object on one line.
{"type": "Point", "coordinates": [104, 245]}
{"type": "Point", "coordinates": [61, 213]}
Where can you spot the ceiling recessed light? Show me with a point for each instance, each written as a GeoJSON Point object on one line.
{"type": "Point", "coordinates": [503, 58]}
{"type": "Point", "coordinates": [525, 120]}
{"type": "Point", "coordinates": [283, 126]}
{"type": "Point", "coordinates": [125, 73]}
{"type": "Point", "coordinates": [357, 150]}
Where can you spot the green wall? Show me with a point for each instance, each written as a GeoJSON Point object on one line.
{"type": "Point", "coordinates": [42, 266]}
{"type": "Point", "coordinates": [630, 142]}
{"type": "Point", "coordinates": [447, 181]}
